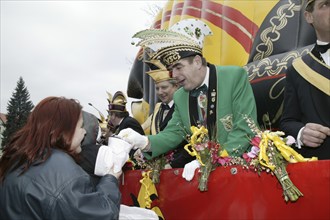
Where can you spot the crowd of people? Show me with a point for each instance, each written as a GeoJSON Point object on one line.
{"type": "Point", "coordinates": [55, 168]}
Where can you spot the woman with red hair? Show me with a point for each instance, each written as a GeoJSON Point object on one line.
{"type": "Point", "coordinates": [39, 177]}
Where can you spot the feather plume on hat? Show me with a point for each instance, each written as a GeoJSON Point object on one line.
{"type": "Point", "coordinates": [183, 39]}
{"type": "Point", "coordinates": [156, 39]}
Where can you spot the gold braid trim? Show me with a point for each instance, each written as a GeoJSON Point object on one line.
{"type": "Point", "coordinates": [311, 76]}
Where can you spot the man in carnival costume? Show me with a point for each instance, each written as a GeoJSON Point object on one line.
{"type": "Point", "coordinates": [165, 88]}
{"type": "Point", "coordinates": [214, 96]}
{"type": "Point", "coordinates": [120, 119]}
{"type": "Point", "coordinates": [119, 116]}
{"type": "Point", "coordinates": [307, 91]}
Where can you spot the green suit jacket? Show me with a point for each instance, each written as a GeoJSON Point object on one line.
{"type": "Point", "coordinates": [234, 99]}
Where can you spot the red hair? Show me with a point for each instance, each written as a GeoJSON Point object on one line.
{"type": "Point", "coordinates": [51, 124]}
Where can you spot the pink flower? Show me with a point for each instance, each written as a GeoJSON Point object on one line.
{"type": "Point", "coordinates": [246, 157]}
{"type": "Point", "coordinates": [255, 141]}
{"type": "Point", "coordinates": [200, 147]}
{"type": "Point", "coordinates": [254, 152]}
{"type": "Point", "coordinates": [224, 160]}
{"type": "Point", "coordinates": [290, 140]}
{"type": "Point", "coordinates": [215, 158]}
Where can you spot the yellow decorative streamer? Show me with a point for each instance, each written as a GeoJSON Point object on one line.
{"type": "Point", "coordinates": [147, 189]}
{"type": "Point", "coordinates": [288, 153]}
{"type": "Point", "coordinates": [197, 136]}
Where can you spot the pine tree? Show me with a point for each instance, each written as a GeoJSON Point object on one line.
{"type": "Point", "coordinates": [18, 110]}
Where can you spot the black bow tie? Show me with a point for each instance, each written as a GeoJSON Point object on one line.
{"type": "Point", "coordinates": [198, 91]}
{"type": "Point", "coordinates": [165, 106]}
{"type": "Point", "coordinates": [322, 48]}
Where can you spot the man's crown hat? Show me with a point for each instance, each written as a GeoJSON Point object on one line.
{"type": "Point", "coordinates": [158, 71]}
{"type": "Point", "coordinates": [183, 39]}
{"type": "Point", "coordinates": [117, 102]}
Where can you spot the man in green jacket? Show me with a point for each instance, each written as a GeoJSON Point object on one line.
{"type": "Point", "coordinates": [220, 106]}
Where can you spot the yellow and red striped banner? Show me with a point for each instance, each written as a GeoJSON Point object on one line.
{"type": "Point", "coordinates": [234, 24]}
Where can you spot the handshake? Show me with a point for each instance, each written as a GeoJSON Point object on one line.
{"type": "Point", "coordinates": [116, 154]}
{"type": "Point", "coordinates": [141, 142]}
{"type": "Point", "coordinates": [137, 140]}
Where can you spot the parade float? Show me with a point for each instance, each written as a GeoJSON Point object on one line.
{"type": "Point", "coordinates": [236, 193]}
{"type": "Point", "coordinates": [264, 37]}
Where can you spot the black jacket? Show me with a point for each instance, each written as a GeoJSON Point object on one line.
{"type": "Point", "coordinates": [58, 189]}
{"type": "Point", "coordinates": [304, 103]}
{"type": "Point", "coordinates": [130, 122]}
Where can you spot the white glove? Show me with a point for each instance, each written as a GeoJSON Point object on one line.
{"type": "Point", "coordinates": [104, 161]}
{"type": "Point", "coordinates": [120, 150]}
{"type": "Point", "coordinates": [110, 160]}
{"type": "Point", "coordinates": [119, 145]}
{"type": "Point", "coordinates": [137, 140]}
{"type": "Point", "coordinates": [131, 213]}
{"type": "Point", "coordinates": [189, 170]}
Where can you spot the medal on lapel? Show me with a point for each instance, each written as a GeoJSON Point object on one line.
{"type": "Point", "coordinates": [202, 103]}
{"type": "Point", "coordinates": [202, 100]}
{"type": "Point", "coordinates": [213, 95]}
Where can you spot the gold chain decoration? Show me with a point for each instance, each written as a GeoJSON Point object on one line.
{"type": "Point", "coordinates": [270, 67]}
{"type": "Point", "coordinates": [278, 22]}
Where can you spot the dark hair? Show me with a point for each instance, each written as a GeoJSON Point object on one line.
{"type": "Point", "coordinates": [118, 114]}
{"type": "Point", "coordinates": [310, 6]}
{"type": "Point", "coordinates": [51, 124]}
{"type": "Point", "coordinates": [191, 58]}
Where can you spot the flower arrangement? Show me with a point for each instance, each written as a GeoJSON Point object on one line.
{"type": "Point", "coordinates": [206, 152]}
{"type": "Point", "coordinates": [269, 152]}
{"type": "Point", "coordinates": [154, 165]}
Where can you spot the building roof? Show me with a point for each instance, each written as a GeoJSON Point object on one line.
{"type": "Point", "coordinates": [3, 118]}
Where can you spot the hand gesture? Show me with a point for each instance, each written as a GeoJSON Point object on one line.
{"type": "Point", "coordinates": [137, 140]}
{"type": "Point", "coordinates": [313, 134]}
{"type": "Point", "coordinates": [109, 161]}
{"type": "Point", "coordinates": [189, 170]}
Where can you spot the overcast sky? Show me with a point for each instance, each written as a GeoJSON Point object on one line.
{"type": "Point", "coordinates": [76, 49]}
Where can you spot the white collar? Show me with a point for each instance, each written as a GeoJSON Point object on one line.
{"type": "Point", "coordinates": [206, 79]}
{"type": "Point", "coordinates": [321, 42]}
{"type": "Point", "coordinates": [120, 121]}
{"type": "Point", "coordinates": [170, 104]}
{"type": "Point", "coordinates": [326, 55]}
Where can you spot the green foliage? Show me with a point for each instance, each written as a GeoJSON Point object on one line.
{"type": "Point", "coordinates": [18, 110]}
